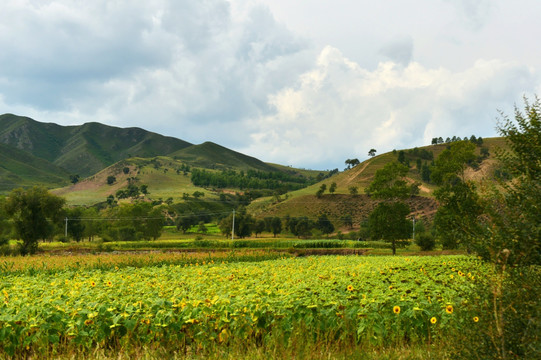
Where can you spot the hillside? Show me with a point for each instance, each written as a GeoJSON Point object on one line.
{"type": "Point", "coordinates": [342, 202]}
{"type": "Point", "coordinates": [19, 168]}
{"type": "Point", "coordinates": [83, 149]}
{"type": "Point", "coordinates": [213, 156]}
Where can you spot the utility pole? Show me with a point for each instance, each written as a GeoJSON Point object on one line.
{"type": "Point", "coordinates": [413, 218]}
{"type": "Point", "coordinates": [233, 227]}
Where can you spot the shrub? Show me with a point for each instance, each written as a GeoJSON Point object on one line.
{"type": "Point", "coordinates": [425, 241]}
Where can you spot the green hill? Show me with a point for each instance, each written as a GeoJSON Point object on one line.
{"type": "Point", "coordinates": [213, 156]}
{"type": "Point", "coordinates": [21, 169]}
{"type": "Point", "coordinates": [342, 202]}
{"type": "Point", "coordinates": [83, 149]}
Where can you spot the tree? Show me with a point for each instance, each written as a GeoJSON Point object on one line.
{"type": "Point", "coordinates": [5, 226]}
{"type": "Point", "coordinates": [76, 227]}
{"type": "Point", "coordinates": [324, 224]}
{"type": "Point", "coordinates": [111, 180]}
{"type": "Point", "coordinates": [74, 179]}
{"type": "Point", "coordinates": [332, 188]}
{"type": "Point", "coordinates": [321, 190]}
{"type": "Point", "coordinates": [34, 212]}
{"type": "Point", "coordinates": [372, 152]}
{"type": "Point", "coordinates": [388, 220]}
{"type": "Point", "coordinates": [514, 210]}
{"type": "Point", "coordinates": [389, 183]}
{"type": "Point", "coordinates": [353, 190]}
{"type": "Point", "coordinates": [352, 163]}
{"type": "Point", "coordinates": [259, 226]}
{"type": "Point", "coordinates": [202, 228]}
{"type": "Point", "coordinates": [276, 225]}
{"type": "Point", "coordinates": [456, 220]}
{"type": "Point", "coordinates": [186, 221]}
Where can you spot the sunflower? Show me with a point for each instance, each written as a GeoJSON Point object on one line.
{"type": "Point", "coordinates": [88, 322]}
{"type": "Point", "coordinates": [449, 309]}
{"type": "Point", "coordinates": [396, 309]}
{"type": "Point", "coordinates": [475, 319]}
{"type": "Point", "coordinates": [350, 288]}
{"type": "Point", "coordinates": [433, 320]}
{"type": "Point", "coordinates": [93, 283]}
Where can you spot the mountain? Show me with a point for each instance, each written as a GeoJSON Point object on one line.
{"type": "Point", "coordinates": [19, 168]}
{"type": "Point", "coordinates": [213, 156]}
{"type": "Point", "coordinates": [83, 149]}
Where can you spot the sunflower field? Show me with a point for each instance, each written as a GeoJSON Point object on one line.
{"type": "Point", "coordinates": [192, 307]}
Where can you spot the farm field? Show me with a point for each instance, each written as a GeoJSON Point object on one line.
{"type": "Point", "coordinates": [202, 306]}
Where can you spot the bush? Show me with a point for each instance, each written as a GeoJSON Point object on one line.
{"type": "Point", "coordinates": [426, 241]}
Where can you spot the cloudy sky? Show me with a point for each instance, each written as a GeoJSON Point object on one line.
{"type": "Point", "coordinates": [307, 83]}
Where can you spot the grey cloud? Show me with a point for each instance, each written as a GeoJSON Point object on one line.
{"type": "Point", "coordinates": [399, 50]}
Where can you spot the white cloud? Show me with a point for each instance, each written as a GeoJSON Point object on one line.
{"type": "Point", "coordinates": [309, 84]}
{"type": "Point", "coordinates": [339, 110]}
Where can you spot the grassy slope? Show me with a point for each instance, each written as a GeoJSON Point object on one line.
{"type": "Point", "coordinates": [210, 155]}
{"type": "Point", "coordinates": [20, 169]}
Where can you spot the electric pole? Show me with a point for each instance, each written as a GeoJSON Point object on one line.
{"type": "Point", "coordinates": [233, 227]}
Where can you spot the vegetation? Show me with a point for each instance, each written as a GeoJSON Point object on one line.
{"type": "Point", "coordinates": [368, 303]}
{"type": "Point", "coordinates": [34, 213]}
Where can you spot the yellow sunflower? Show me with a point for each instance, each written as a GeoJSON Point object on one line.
{"type": "Point", "coordinates": [433, 320]}
{"type": "Point", "coordinates": [396, 309]}
{"type": "Point", "coordinates": [449, 309]}
{"type": "Point", "coordinates": [475, 319]}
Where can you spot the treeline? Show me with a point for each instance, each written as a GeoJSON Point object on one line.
{"type": "Point", "coordinates": [439, 140]}
{"type": "Point", "coordinates": [249, 180]}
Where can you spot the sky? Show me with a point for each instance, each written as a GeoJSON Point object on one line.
{"type": "Point", "coordinates": [306, 83]}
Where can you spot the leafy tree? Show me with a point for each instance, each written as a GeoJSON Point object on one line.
{"type": "Point", "coordinates": [321, 190]}
{"type": "Point", "coordinates": [202, 228]}
{"type": "Point", "coordinates": [402, 157]}
{"type": "Point", "coordinates": [76, 227]}
{"type": "Point", "coordinates": [389, 183]}
{"type": "Point", "coordinates": [324, 224]}
{"type": "Point", "coordinates": [276, 226]}
{"type": "Point", "coordinates": [332, 188]}
{"type": "Point", "coordinates": [111, 180]}
{"type": "Point", "coordinates": [353, 190]}
{"type": "Point", "coordinates": [303, 227]}
{"type": "Point", "coordinates": [388, 220]}
{"type": "Point", "coordinates": [259, 227]}
{"type": "Point", "coordinates": [186, 221]}
{"type": "Point", "coordinates": [456, 220]}
{"type": "Point", "coordinates": [352, 163]}
{"type": "Point", "coordinates": [34, 212]}
{"type": "Point", "coordinates": [74, 179]}
{"type": "Point", "coordinates": [144, 189]}
{"type": "Point", "coordinates": [5, 226]}
{"type": "Point", "coordinates": [514, 211]}
{"type": "Point", "coordinates": [372, 152]}
{"type": "Point", "coordinates": [126, 170]}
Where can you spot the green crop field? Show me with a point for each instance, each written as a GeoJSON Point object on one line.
{"type": "Point", "coordinates": [211, 305]}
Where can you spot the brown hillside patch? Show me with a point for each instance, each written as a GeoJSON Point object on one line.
{"type": "Point", "coordinates": [338, 205]}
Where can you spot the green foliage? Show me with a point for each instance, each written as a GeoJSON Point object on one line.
{"type": "Point", "coordinates": [389, 183]}
{"type": "Point", "coordinates": [321, 190]}
{"type": "Point", "coordinates": [332, 188]}
{"type": "Point", "coordinates": [134, 222]}
{"type": "Point", "coordinates": [324, 224]}
{"type": "Point", "coordinates": [456, 221]}
{"type": "Point", "coordinates": [388, 222]}
{"type": "Point", "coordinates": [35, 212]}
{"type": "Point", "coordinates": [111, 179]}
{"type": "Point", "coordinates": [425, 241]}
